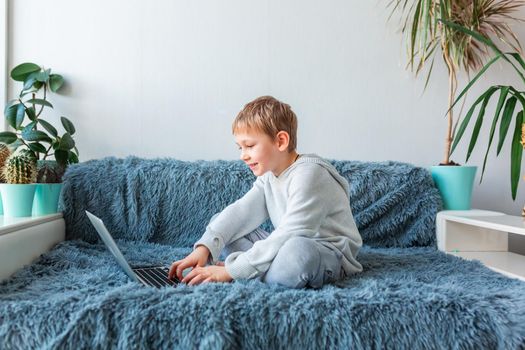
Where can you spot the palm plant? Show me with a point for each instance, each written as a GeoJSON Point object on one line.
{"type": "Point", "coordinates": [509, 97]}
{"type": "Point", "coordinates": [423, 24]}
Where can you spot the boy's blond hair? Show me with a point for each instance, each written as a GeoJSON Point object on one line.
{"type": "Point", "coordinates": [268, 115]}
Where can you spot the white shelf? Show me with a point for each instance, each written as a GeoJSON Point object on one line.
{"type": "Point", "coordinates": [492, 220]}
{"type": "Point", "coordinates": [482, 235]}
{"type": "Point", "coordinates": [24, 239]}
{"type": "Point", "coordinates": [10, 224]}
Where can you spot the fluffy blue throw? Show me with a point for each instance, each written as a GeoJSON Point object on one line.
{"type": "Point", "coordinates": [409, 295]}
{"type": "Point", "coordinates": [170, 201]}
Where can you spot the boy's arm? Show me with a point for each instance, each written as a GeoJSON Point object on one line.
{"type": "Point", "coordinates": [236, 220]}
{"type": "Point", "coordinates": [309, 194]}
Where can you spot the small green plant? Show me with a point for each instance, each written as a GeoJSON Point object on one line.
{"type": "Point", "coordinates": [38, 135]}
{"type": "Point", "coordinates": [20, 168]}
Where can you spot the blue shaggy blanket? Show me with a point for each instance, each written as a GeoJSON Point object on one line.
{"type": "Point", "coordinates": [170, 201]}
{"type": "Point", "coordinates": [76, 297]}
{"type": "Point", "coordinates": [409, 295]}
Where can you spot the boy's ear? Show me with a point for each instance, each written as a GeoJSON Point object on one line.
{"type": "Point", "coordinates": [282, 139]}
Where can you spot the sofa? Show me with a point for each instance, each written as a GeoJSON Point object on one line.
{"type": "Point", "coordinates": [409, 296]}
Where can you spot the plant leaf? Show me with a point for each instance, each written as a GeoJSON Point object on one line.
{"type": "Point", "coordinates": [466, 120]}
{"type": "Point", "coordinates": [8, 137]}
{"type": "Point", "coordinates": [31, 113]}
{"type": "Point", "coordinates": [43, 76]}
{"type": "Point", "coordinates": [20, 114]}
{"type": "Point", "coordinates": [50, 128]}
{"type": "Point", "coordinates": [508, 112]}
{"type": "Point", "coordinates": [502, 97]}
{"type": "Point", "coordinates": [61, 157]}
{"type": "Point", "coordinates": [479, 122]}
{"type": "Point", "coordinates": [37, 147]}
{"type": "Point", "coordinates": [518, 58]}
{"type": "Point", "coordinates": [35, 135]}
{"type": "Point", "coordinates": [413, 35]}
{"type": "Point", "coordinates": [20, 72]}
{"type": "Point", "coordinates": [55, 82]}
{"type": "Point", "coordinates": [73, 158]}
{"type": "Point", "coordinates": [39, 101]}
{"type": "Point", "coordinates": [67, 142]}
{"type": "Point", "coordinates": [516, 154]}
{"type": "Point", "coordinates": [10, 115]}
{"type": "Point", "coordinates": [30, 80]}
{"type": "Point", "coordinates": [68, 125]}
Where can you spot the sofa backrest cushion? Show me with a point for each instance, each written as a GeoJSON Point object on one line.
{"type": "Point", "coordinates": [169, 201]}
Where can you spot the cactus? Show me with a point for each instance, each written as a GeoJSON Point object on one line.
{"type": "Point", "coordinates": [5, 152]}
{"type": "Point", "coordinates": [20, 168]}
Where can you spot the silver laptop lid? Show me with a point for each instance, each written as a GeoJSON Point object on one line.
{"type": "Point", "coordinates": [110, 243]}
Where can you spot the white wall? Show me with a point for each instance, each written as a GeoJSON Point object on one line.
{"type": "Point", "coordinates": [166, 78]}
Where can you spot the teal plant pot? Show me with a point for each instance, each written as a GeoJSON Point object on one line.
{"type": "Point", "coordinates": [46, 198]}
{"type": "Point", "coordinates": [455, 184]}
{"type": "Point", "coordinates": [17, 199]}
{"type": "Point", "coordinates": [1, 206]}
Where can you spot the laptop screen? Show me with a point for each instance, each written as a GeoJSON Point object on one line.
{"type": "Point", "coordinates": [111, 245]}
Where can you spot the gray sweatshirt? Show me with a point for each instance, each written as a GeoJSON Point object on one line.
{"type": "Point", "coordinates": [308, 199]}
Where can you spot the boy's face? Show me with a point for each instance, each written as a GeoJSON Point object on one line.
{"type": "Point", "coordinates": [259, 151]}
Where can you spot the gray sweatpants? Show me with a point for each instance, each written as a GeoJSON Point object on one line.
{"type": "Point", "coordinates": [300, 262]}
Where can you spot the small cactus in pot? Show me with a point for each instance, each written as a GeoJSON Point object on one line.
{"type": "Point", "coordinates": [19, 190]}
{"type": "Point", "coordinates": [20, 168]}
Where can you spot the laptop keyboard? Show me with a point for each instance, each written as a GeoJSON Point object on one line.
{"type": "Point", "coordinates": [156, 276]}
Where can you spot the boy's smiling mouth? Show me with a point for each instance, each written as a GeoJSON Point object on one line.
{"type": "Point", "coordinates": [253, 165]}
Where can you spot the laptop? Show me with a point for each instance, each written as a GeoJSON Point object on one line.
{"type": "Point", "coordinates": [155, 276]}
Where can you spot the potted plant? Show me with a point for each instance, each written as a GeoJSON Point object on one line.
{"type": "Point", "coordinates": [426, 36]}
{"type": "Point", "coordinates": [19, 189]}
{"type": "Point", "coordinates": [39, 136]}
{"type": "Point", "coordinates": [507, 109]}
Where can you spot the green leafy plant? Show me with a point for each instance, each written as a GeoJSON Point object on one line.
{"type": "Point", "coordinates": [427, 35]}
{"type": "Point", "coordinates": [509, 99]}
{"type": "Point", "coordinates": [38, 135]}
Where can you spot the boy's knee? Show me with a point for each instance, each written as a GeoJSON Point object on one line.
{"type": "Point", "coordinates": [296, 263]}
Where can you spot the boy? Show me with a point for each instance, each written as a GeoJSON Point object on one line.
{"type": "Point", "coordinates": [315, 240]}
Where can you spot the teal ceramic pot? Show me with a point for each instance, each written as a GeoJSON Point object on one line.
{"type": "Point", "coordinates": [1, 206]}
{"type": "Point", "coordinates": [46, 198]}
{"type": "Point", "coordinates": [17, 199]}
{"type": "Point", "coordinates": [455, 184]}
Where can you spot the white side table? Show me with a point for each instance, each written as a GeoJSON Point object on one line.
{"type": "Point", "coordinates": [482, 235]}
{"type": "Point", "coordinates": [22, 240]}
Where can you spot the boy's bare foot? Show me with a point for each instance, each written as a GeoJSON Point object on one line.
{"type": "Point", "coordinates": [220, 263]}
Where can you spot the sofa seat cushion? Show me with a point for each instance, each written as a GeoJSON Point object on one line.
{"type": "Point", "coordinates": [76, 296]}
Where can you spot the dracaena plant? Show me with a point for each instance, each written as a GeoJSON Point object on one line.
{"type": "Point", "coordinates": [510, 106]}
{"type": "Point", "coordinates": [38, 135]}
{"type": "Point", "coordinates": [427, 35]}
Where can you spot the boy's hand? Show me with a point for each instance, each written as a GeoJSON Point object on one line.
{"type": "Point", "coordinates": [207, 274]}
{"type": "Point", "coordinates": [198, 257]}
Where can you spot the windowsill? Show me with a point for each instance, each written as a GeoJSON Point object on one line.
{"type": "Point", "coordinates": [10, 224]}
